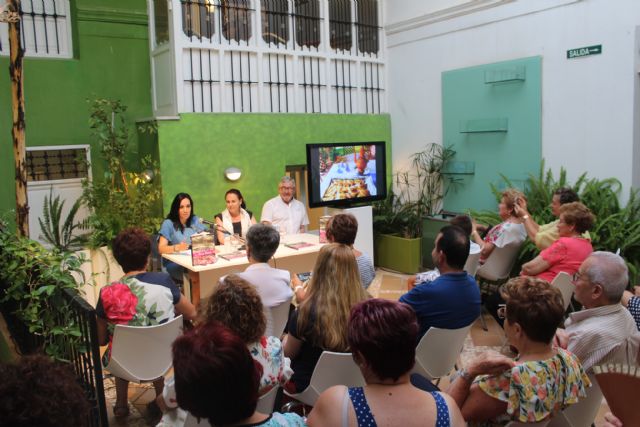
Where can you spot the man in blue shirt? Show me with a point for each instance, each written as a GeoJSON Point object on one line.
{"type": "Point", "coordinates": [452, 300]}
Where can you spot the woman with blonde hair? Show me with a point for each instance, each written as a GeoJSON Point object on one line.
{"type": "Point", "coordinates": [320, 321]}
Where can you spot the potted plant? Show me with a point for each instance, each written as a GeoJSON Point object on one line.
{"type": "Point", "coordinates": [399, 220]}
{"type": "Point", "coordinates": [122, 198]}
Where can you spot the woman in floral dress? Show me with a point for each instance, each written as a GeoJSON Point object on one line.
{"type": "Point", "coordinates": [542, 380]}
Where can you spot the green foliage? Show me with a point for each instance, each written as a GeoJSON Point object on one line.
{"type": "Point", "coordinates": [60, 237]}
{"type": "Point", "coordinates": [615, 228]}
{"type": "Point", "coordinates": [418, 193]}
{"type": "Point", "coordinates": [32, 279]}
{"type": "Point", "coordinates": [123, 198]}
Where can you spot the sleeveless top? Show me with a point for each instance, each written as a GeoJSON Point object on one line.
{"type": "Point", "coordinates": [365, 417]}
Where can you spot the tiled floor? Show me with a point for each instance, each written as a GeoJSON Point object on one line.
{"type": "Point", "coordinates": [386, 285]}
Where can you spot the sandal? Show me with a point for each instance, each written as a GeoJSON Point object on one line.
{"type": "Point", "coordinates": [121, 411]}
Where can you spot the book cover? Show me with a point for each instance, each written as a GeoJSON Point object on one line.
{"type": "Point", "coordinates": [298, 245]}
{"type": "Point", "coordinates": [234, 255]}
{"type": "Point", "coordinates": [203, 249]}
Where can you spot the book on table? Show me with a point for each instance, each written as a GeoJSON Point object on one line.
{"type": "Point", "coordinates": [298, 245]}
{"type": "Point", "coordinates": [234, 255]}
{"type": "Point", "coordinates": [203, 249]}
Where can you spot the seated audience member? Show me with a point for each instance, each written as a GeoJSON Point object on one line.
{"type": "Point", "coordinates": [320, 321]}
{"type": "Point", "coordinates": [569, 250]}
{"type": "Point", "coordinates": [382, 337]}
{"type": "Point", "coordinates": [603, 331]}
{"type": "Point", "coordinates": [544, 235]}
{"type": "Point", "coordinates": [541, 381]}
{"type": "Point", "coordinates": [176, 232]}
{"type": "Point", "coordinates": [36, 391]}
{"type": "Point", "coordinates": [452, 300]}
{"type": "Point", "coordinates": [236, 305]}
{"type": "Point", "coordinates": [217, 379]}
{"type": "Point", "coordinates": [632, 302]}
{"type": "Point", "coordinates": [510, 230]}
{"type": "Point", "coordinates": [140, 298]}
{"type": "Point", "coordinates": [272, 284]}
{"type": "Point", "coordinates": [284, 211]}
{"type": "Point", "coordinates": [462, 221]}
{"type": "Point", "coordinates": [235, 219]}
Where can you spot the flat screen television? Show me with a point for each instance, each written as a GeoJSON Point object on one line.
{"type": "Point", "coordinates": [346, 173]}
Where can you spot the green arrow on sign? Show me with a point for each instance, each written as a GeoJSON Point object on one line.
{"type": "Point", "coordinates": [584, 51]}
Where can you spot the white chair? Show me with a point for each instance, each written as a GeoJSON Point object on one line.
{"type": "Point", "coordinates": [192, 421]}
{"type": "Point", "coordinates": [438, 351]}
{"type": "Point", "coordinates": [143, 353]}
{"type": "Point", "coordinates": [277, 318]}
{"type": "Point", "coordinates": [471, 266]}
{"type": "Point", "coordinates": [563, 282]}
{"type": "Point", "coordinates": [538, 424]}
{"type": "Point", "coordinates": [332, 369]}
{"type": "Point", "coordinates": [583, 413]}
{"type": "Point", "coordinates": [500, 262]}
{"type": "Point", "coordinates": [267, 400]}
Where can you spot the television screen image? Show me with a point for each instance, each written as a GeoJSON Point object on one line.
{"type": "Point", "coordinates": [346, 173]}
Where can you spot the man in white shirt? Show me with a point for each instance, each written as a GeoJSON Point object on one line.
{"type": "Point", "coordinates": [285, 212]}
{"type": "Point", "coordinates": [603, 331]}
{"type": "Point", "coordinates": [272, 284]}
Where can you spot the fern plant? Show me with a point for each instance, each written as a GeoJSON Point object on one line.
{"type": "Point", "coordinates": [60, 236]}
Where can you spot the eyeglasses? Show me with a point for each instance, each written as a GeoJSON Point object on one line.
{"type": "Point", "coordinates": [576, 276]}
{"type": "Point", "coordinates": [287, 188]}
{"type": "Point", "coordinates": [502, 311]}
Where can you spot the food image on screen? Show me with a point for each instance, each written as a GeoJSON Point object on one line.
{"type": "Point", "coordinates": [340, 189]}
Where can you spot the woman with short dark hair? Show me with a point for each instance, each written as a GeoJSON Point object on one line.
{"type": "Point", "coordinates": [235, 219]}
{"type": "Point", "coordinates": [382, 338]}
{"type": "Point", "coordinates": [216, 378]}
{"type": "Point", "coordinates": [541, 381]}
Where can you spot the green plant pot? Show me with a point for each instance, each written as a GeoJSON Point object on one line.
{"type": "Point", "coordinates": [397, 253]}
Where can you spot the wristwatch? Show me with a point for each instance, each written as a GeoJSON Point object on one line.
{"type": "Point", "coordinates": [462, 373]}
{"type": "Point", "coordinates": [525, 217]}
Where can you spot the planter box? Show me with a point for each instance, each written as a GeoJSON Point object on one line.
{"type": "Point", "coordinates": [397, 253]}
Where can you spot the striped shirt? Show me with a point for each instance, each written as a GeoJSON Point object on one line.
{"type": "Point", "coordinates": [367, 271]}
{"type": "Point", "coordinates": [600, 335]}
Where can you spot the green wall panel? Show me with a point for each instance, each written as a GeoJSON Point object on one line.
{"type": "Point", "coordinates": [195, 150]}
{"type": "Point", "coordinates": [111, 60]}
{"type": "Point", "coordinates": [493, 121]}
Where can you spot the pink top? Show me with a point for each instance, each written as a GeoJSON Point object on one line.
{"type": "Point", "coordinates": [565, 254]}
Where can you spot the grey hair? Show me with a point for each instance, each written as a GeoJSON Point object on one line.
{"type": "Point", "coordinates": [287, 179]}
{"type": "Point", "coordinates": [262, 241]}
{"type": "Point", "coordinates": [609, 271]}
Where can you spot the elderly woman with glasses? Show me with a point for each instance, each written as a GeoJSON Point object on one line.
{"type": "Point", "coordinates": [540, 381]}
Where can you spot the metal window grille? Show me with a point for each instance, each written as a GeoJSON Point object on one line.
{"type": "Point", "coordinates": [367, 26]}
{"type": "Point", "coordinates": [275, 21]}
{"type": "Point", "coordinates": [240, 89]}
{"type": "Point", "coordinates": [278, 84]}
{"type": "Point", "coordinates": [307, 23]}
{"type": "Point", "coordinates": [340, 24]}
{"type": "Point", "coordinates": [201, 80]}
{"type": "Point", "coordinates": [197, 18]}
{"type": "Point", "coordinates": [236, 20]}
{"type": "Point", "coordinates": [342, 87]}
{"type": "Point", "coordinates": [312, 82]}
{"type": "Point", "coordinates": [161, 21]}
{"type": "Point", "coordinates": [49, 165]}
{"type": "Point", "coordinates": [372, 86]}
{"type": "Point", "coordinates": [45, 29]}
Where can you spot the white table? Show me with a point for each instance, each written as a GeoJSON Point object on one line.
{"type": "Point", "coordinates": [295, 261]}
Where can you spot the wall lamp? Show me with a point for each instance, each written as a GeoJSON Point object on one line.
{"type": "Point", "coordinates": [232, 173]}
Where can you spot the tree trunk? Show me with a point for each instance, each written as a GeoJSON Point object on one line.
{"type": "Point", "coordinates": [17, 131]}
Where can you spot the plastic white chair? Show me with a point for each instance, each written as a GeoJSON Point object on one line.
{"type": "Point", "coordinates": [143, 353]}
{"type": "Point", "coordinates": [538, 424]}
{"type": "Point", "coordinates": [563, 282]}
{"type": "Point", "coordinates": [267, 400]}
{"type": "Point", "coordinates": [500, 262]}
{"type": "Point", "coordinates": [332, 369]}
{"type": "Point", "coordinates": [438, 351]}
{"type": "Point", "coordinates": [471, 266]}
{"type": "Point", "coordinates": [583, 413]}
{"type": "Point", "coordinates": [192, 421]}
{"type": "Point", "coordinates": [277, 318]}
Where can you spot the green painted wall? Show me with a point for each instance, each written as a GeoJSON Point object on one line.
{"type": "Point", "coordinates": [195, 150]}
{"type": "Point", "coordinates": [111, 60]}
{"type": "Point", "coordinates": [472, 99]}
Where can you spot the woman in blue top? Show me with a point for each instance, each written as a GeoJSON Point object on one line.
{"type": "Point", "coordinates": [382, 337]}
{"type": "Point", "coordinates": [176, 231]}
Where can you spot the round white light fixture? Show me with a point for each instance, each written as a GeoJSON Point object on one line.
{"type": "Point", "coordinates": [232, 173]}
